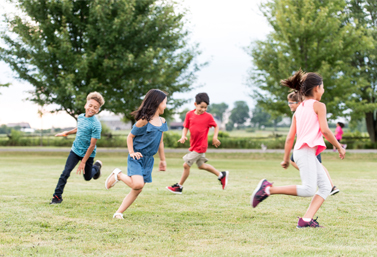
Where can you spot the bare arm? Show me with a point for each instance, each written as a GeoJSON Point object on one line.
{"type": "Point", "coordinates": [184, 134]}
{"type": "Point", "coordinates": [66, 133]}
{"type": "Point", "coordinates": [289, 143]}
{"type": "Point", "coordinates": [215, 141]}
{"type": "Point", "coordinates": [161, 153]}
{"type": "Point", "coordinates": [320, 110]}
{"type": "Point", "coordinates": [130, 141]}
{"type": "Point", "coordinates": [93, 142]}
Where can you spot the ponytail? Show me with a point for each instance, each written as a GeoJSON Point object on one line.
{"type": "Point", "coordinates": [303, 83]}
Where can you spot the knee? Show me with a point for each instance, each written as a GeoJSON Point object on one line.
{"type": "Point", "coordinates": [308, 191]}
{"type": "Point", "coordinates": [138, 187]}
{"type": "Point", "coordinates": [186, 166]}
{"type": "Point", "coordinates": [87, 179]}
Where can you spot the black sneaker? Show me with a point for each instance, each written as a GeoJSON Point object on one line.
{"type": "Point", "coordinates": [176, 189]}
{"type": "Point", "coordinates": [98, 163]}
{"type": "Point", "coordinates": [334, 191]}
{"type": "Point", "coordinates": [56, 200]}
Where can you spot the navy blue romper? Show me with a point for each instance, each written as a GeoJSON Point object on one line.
{"type": "Point", "coordinates": [146, 141]}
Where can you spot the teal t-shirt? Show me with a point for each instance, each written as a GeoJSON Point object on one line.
{"type": "Point", "coordinates": [87, 128]}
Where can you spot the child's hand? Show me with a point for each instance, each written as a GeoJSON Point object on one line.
{"type": "Point", "coordinates": [63, 134]}
{"type": "Point", "coordinates": [342, 153]}
{"type": "Point", "coordinates": [182, 140]}
{"type": "Point", "coordinates": [216, 142]}
{"type": "Point", "coordinates": [162, 166]}
{"type": "Point", "coordinates": [136, 155]}
{"type": "Point", "coordinates": [81, 168]}
{"type": "Point", "coordinates": [285, 164]}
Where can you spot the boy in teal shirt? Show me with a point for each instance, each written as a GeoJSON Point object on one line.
{"type": "Point", "coordinates": [84, 147]}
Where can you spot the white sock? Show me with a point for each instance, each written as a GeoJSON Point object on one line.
{"type": "Point", "coordinates": [267, 190]}
{"type": "Point", "coordinates": [306, 219]}
{"type": "Point", "coordinates": [180, 186]}
{"type": "Point", "coordinates": [221, 175]}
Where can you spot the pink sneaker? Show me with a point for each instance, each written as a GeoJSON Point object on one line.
{"type": "Point", "coordinates": [259, 193]}
{"type": "Point", "coordinates": [303, 224]}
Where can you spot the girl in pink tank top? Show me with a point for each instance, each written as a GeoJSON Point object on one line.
{"type": "Point", "coordinates": [310, 125]}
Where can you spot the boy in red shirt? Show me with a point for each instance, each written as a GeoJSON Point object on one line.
{"type": "Point", "coordinates": [198, 121]}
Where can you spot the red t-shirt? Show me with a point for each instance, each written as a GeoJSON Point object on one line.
{"type": "Point", "coordinates": [199, 126]}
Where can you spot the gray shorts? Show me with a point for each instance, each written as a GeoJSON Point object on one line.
{"type": "Point", "coordinates": [192, 157]}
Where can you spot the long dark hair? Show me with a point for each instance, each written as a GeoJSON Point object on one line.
{"type": "Point", "coordinates": [149, 105]}
{"type": "Point", "coordinates": [303, 83]}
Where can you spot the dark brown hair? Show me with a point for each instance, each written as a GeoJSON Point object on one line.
{"type": "Point", "coordinates": [303, 83]}
{"type": "Point", "coordinates": [202, 97]}
{"type": "Point", "coordinates": [294, 96]}
{"type": "Point", "coordinates": [149, 105]}
{"type": "Point", "coordinates": [341, 124]}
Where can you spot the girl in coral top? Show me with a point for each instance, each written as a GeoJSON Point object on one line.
{"type": "Point", "coordinates": [310, 125]}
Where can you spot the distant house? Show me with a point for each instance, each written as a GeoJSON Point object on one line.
{"type": "Point", "coordinates": [176, 125]}
{"type": "Point", "coordinates": [114, 122]}
{"type": "Point", "coordinates": [24, 126]}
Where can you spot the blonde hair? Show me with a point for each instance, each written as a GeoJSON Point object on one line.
{"type": "Point", "coordinates": [96, 97]}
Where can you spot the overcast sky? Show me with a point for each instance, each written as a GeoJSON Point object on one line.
{"type": "Point", "coordinates": [221, 27]}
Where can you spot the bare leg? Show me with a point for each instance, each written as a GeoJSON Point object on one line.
{"type": "Point", "coordinates": [209, 168]}
{"type": "Point", "coordinates": [186, 173]}
{"type": "Point", "coordinates": [137, 182]}
{"type": "Point", "coordinates": [317, 201]}
{"type": "Point", "coordinates": [328, 175]}
{"type": "Point", "coordinates": [284, 190]}
{"type": "Point", "coordinates": [294, 165]}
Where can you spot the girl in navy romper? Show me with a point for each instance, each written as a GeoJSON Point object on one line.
{"type": "Point", "coordinates": [144, 141]}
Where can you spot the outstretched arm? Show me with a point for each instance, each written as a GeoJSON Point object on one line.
{"type": "Point", "coordinates": [320, 109]}
{"type": "Point", "coordinates": [66, 133]}
{"type": "Point", "coordinates": [183, 139]}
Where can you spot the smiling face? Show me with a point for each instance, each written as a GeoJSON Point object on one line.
{"type": "Point", "coordinates": [200, 108]}
{"type": "Point", "coordinates": [162, 106]}
{"type": "Point", "coordinates": [91, 108]}
{"type": "Point", "coordinates": [293, 105]}
{"type": "Point", "coordinates": [318, 92]}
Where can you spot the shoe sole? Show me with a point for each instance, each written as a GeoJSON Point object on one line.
{"type": "Point", "coordinates": [255, 191]}
{"type": "Point", "coordinates": [334, 192]}
{"type": "Point", "coordinates": [174, 192]}
{"type": "Point", "coordinates": [226, 179]}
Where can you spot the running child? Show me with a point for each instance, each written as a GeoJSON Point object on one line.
{"type": "Point", "coordinates": [198, 121]}
{"type": "Point", "coordinates": [294, 100]}
{"type": "Point", "coordinates": [84, 147]}
{"type": "Point", "coordinates": [310, 125]}
{"type": "Point", "coordinates": [339, 133]}
{"type": "Point", "coordinates": [143, 142]}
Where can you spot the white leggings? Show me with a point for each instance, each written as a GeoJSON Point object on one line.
{"type": "Point", "coordinates": [312, 174]}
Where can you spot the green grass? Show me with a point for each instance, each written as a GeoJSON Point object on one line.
{"type": "Point", "coordinates": [203, 221]}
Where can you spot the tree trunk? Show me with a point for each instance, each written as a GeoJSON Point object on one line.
{"type": "Point", "coordinates": [371, 122]}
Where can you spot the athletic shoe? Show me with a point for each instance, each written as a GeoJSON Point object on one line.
{"type": "Point", "coordinates": [344, 146]}
{"type": "Point", "coordinates": [334, 191]}
{"type": "Point", "coordinates": [224, 179]}
{"type": "Point", "coordinates": [56, 200]}
{"type": "Point", "coordinates": [176, 189]}
{"type": "Point", "coordinates": [98, 163]}
{"type": "Point", "coordinates": [303, 224]}
{"type": "Point", "coordinates": [259, 193]}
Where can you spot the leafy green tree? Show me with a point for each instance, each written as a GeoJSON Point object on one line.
{"type": "Point", "coordinates": [363, 100]}
{"type": "Point", "coordinates": [4, 85]}
{"type": "Point", "coordinates": [217, 110]}
{"type": "Point", "coordinates": [121, 49]}
{"type": "Point", "coordinates": [239, 113]}
{"type": "Point", "coordinates": [182, 114]}
{"type": "Point", "coordinates": [261, 117]}
{"type": "Point", "coordinates": [311, 35]}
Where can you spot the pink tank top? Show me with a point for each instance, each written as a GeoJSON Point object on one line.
{"type": "Point", "coordinates": [307, 127]}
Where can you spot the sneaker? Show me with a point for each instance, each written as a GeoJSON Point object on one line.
{"type": "Point", "coordinates": [303, 224]}
{"type": "Point", "coordinates": [334, 191]}
{"type": "Point", "coordinates": [56, 200]}
{"type": "Point", "coordinates": [176, 189]}
{"type": "Point", "coordinates": [98, 163]}
{"type": "Point", "coordinates": [344, 146]}
{"type": "Point", "coordinates": [259, 193]}
{"type": "Point", "coordinates": [224, 179]}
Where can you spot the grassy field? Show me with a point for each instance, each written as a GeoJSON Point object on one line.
{"type": "Point", "coordinates": [203, 221]}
